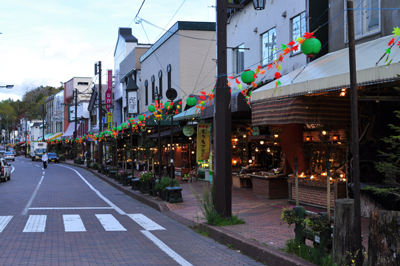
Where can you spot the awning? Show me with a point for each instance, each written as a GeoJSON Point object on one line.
{"type": "Point", "coordinates": [331, 72]}
{"type": "Point", "coordinates": [166, 132]}
{"type": "Point", "coordinates": [188, 114]}
{"type": "Point", "coordinates": [238, 106]}
{"type": "Point", "coordinates": [46, 137]}
{"type": "Point", "coordinates": [302, 110]}
{"type": "Point", "coordinates": [56, 135]}
{"type": "Point", "coordinates": [70, 130]}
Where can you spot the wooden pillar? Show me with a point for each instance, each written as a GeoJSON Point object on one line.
{"type": "Point", "coordinates": [384, 238]}
{"type": "Point", "coordinates": [343, 231]}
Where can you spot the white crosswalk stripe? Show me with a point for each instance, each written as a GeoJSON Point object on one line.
{"type": "Point", "coordinates": [4, 220]}
{"type": "Point", "coordinates": [109, 222]}
{"type": "Point", "coordinates": [145, 222]}
{"type": "Point", "coordinates": [73, 223]}
{"type": "Point", "coordinates": [35, 223]}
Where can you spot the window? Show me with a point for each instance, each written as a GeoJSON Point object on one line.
{"type": "Point", "coordinates": [169, 76]}
{"type": "Point", "coordinates": [160, 82]}
{"type": "Point", "coordinates": [146, 91]}
{"type": "Point", "coordinates": [268, 46]}
{"type": "Point", "coordinates": [298, 27]}
{"type": "Point", "coordinates": [366, 17]}
{"type": "Point", "coordinates": [153, 93]}
{"type": "Point", "coordinates": [238, 59]}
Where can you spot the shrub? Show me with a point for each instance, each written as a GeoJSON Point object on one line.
{"type": "Point", "coordinates": [166, 182]}
{"type": "Point", "coordinates": [146, 176]}
{"type": "Point", "coordinates": [288, 216]}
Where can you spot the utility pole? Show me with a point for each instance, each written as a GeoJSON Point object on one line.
{"type": "Point", "coordinates": [222, 121]}
{"type": "Point", "coordinates": [26, 134]}
{"type": "Point", "coordinates": [43, 119]}
{"type": "Point", "coordinates": [354, 132]}
{"type": "Point", "coordinates": [159, 139]}
{"type": "Point", "coordinates": [76, 119]}
{"type": "Point", "coordinates": [100, 115]}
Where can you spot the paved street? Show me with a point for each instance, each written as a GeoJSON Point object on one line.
{"type": "Point", "coordinates": [66, 216]}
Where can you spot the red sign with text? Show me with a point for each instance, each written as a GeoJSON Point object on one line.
{"type": "Point", "coordinates": [109, 90]}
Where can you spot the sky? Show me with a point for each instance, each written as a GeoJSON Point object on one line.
{"type": "Point", "coordinates": [47, 42]}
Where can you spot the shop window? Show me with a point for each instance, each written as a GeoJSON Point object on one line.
{"type": "Point", "coordinates": [238, 59]}
{"type": "Point", "coordinates": [299, 27]}
{"type": "Point", "coordinates": [268, 46]}
{"type": "Point", "coordinates": [366, 17]}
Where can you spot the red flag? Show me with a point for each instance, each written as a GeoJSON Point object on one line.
{"type": "Point", "coordinates": [391, 42]}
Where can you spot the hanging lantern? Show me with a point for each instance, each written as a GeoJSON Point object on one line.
{"type": "Point", "coordinates": [151, 108]}
{"type": "Point", "coordinates": [248, 76]}
{"type": "Point", "coordinates": [114, 128]}
{"type": "Point", "coordinates": [191, 101]}
{"type": "Point", "coordinates": [119, 128]}
{"type": "Point", "coordinates": [141, 117]}
{"type": "Point", "coordinates": [311, 46]}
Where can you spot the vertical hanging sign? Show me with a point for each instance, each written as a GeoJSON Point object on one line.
{"type": "Point", "coordinates": [203, 141]}
{"type": "Point", "coordinates": [109, 90]}
{"type": "Point", "coordinates": [110, 120]}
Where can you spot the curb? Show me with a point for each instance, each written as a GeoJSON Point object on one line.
{"type": "Point", "coordinates": [255, 250]}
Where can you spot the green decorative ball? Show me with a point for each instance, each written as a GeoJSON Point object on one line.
{"type": "Point", "coordinates": [311, 46]}
{"type": "Point", "coordinates": [114, 128]}
{"type": "Point", "coordinates": [119, 128]}
{"type": "Point", "coordinates": [191, 101]}
{"type": "Point", "coordinates": [141, 117]}
{"type": "Point", "coordinates": [248, 76]}
{"type": "Point", "coordinates": [151, 108]}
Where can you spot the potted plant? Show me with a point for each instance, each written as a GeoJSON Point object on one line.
{"type": "Point", "coordinates": [315, 222]}
{"type": "Point", "coordinates": [288, 216]}
{"type": "Point", "coordinates": [145, 178]}
{"type": "Point", "coordinates": [121, 176]}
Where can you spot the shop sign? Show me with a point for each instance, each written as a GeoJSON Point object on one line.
{"type": "Point", "coordinates": [110, 121]}
{"type": "Point", "coordinates": [188, 130]}
{"type": "Point", "coordinates": [109, 91]}
{"type": "Point", "coordinates": [256, 131]}
{"type": "Point", "coordinates": [203, 141]}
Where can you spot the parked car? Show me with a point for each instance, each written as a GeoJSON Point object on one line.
{"type": "Point", "coordinates": [9, 155]}
{"type": "Point", "coordinates": [5, 173]}
{"type": "Point", "coordinates": [53, 157]}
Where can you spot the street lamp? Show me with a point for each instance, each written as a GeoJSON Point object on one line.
{"type": "Point", "coordinates": [7, 86]}
{"type": "Point", "coordinates": [259, 4]}
{"type": "Point", "coordinates": [222, 115]}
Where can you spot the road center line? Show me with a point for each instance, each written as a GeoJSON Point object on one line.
{"type": "Point", "coordinates": [97, 192]}
{"type": "Point", "coordinates": [25, 211]}
{"type": "Point", "coordinates": [175, 256]}
{"type": "Point", "coordinates": [12, 169]}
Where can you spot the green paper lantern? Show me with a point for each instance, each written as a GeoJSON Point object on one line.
{"type": "Point", "coordinates": [248, 76]}
{"type": "Point", "coordinates": [114, 128]}
{"type": "Point", "coordinates": [141, 117]}
{"type": "Point", "coordinates": [119, 128]}
{"type": "Point", "coordinates": [311, 46]}
{"type": "Point", "coordinates": [151, 108]}
{"type": "Point", "coordinates": [191, 101]}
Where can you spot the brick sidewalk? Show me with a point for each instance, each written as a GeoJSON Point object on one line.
{"type": "Point", "coordinates": [261, 215]}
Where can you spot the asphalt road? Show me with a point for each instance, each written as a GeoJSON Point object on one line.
{"type": "Point", "coordinates": [67, 216]}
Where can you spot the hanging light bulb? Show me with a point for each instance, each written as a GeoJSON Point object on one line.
{"type": "Point", "coordinates": [262, 142]}
{"type": "Point", "coordinates": [268, 150]}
